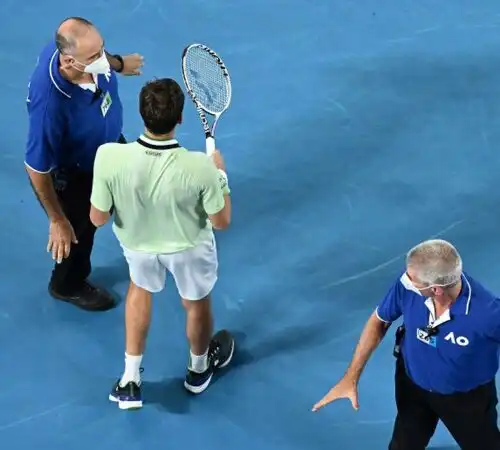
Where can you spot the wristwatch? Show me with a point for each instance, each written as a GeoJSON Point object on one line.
{"type": "Point", "coordinates": [120, 59]}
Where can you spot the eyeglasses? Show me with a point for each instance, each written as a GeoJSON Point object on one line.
{"type": "Point", "coordinates": [429, 286]}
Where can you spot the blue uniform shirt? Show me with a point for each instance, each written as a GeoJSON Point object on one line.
{"type": "Point", "coordinates": [66, 122]}
{"type": "Point", "coordinates": [464, 353]}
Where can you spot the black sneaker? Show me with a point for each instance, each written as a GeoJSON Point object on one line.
{"type": "Point", "coordinates": [220, 353]}
{"type": "Point", "coordinates": [88, 297]}
{"type": "Point", "coordinates": [128, 396]}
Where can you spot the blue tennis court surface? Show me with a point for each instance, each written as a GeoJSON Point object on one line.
{"type": "Point", "coordinates": [357, 129]}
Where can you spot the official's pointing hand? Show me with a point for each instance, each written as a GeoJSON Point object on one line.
{"type": "Point", "coordinates": [346, 388]}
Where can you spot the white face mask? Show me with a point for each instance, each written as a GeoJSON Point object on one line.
{"type": "Point", "coordinates": [98, 67]}
{"type": "Point", "coordinates": [406, 282]}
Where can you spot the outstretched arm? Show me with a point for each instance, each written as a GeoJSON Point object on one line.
{"type": "Point", "coordinates": [126, 65]}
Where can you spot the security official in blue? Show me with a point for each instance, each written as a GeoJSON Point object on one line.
{"type": "Point", "coordinates": [447, 352]}
{"type": "Point", "coordinates": [73, 107]}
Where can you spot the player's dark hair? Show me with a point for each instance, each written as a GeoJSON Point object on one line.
{"type": "Point", "coordinates": [161, 103]}
{"type": "Point", "coordinates": [66, 43]}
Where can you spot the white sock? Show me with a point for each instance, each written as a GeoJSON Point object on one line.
{"type": "Point", "coordinates": [132, 370]}
{"type": "Point", "coordinates": [198, 363]}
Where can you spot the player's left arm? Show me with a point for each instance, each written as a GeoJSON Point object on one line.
{"type": "Point", "coordinates": [126, 65]}
{"type": "Point", "coordinates": [101, 199]}
{"type": "Point", "coordinates": [99, 218]}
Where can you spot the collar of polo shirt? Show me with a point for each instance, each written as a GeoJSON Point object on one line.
{"type": "Point", "coordinates": [460, 306]}
{"type": "Point", "coordinates": [168, 144]}
{"type": "Point", "coordinates": [60, 83]}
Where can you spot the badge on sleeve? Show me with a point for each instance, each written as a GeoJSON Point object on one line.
{"type": "Point", "coordinates": [106, 104]}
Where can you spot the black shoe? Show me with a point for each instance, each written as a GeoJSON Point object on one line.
{"type": "Point", "coordinates": [128, 396]}
{"type": "Point", "coordinates": [220, 354]}
{"type": "Point", "coordinates": [88, 297]}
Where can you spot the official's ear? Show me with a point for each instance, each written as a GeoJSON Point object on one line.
{"type": "Point", "coordinates": [67, 61]}
{"type": "Point", "coordinates": [437, 291]}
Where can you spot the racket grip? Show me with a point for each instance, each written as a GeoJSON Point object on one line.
{"type": "Point", "coordinates": [210, 145]}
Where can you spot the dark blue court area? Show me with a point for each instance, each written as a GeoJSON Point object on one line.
{"type": "Point", "coordinates": [357, 129]}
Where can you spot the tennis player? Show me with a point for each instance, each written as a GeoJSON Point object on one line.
{"type": "Point", "coordinates": [165, 201]}
{"type": "Point", "coordinates": [447, 352]}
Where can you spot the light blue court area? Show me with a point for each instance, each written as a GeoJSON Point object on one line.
{"type": "Point", "coordinates": [357, 129]}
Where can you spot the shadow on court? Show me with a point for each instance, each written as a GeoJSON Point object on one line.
{"type": "Point", "coordinates": [169, 395]}
{"type": "Point", "coordinates": [114, 273]}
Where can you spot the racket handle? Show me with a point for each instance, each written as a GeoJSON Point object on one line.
{"type": "Point", "coordinates": [210, 145]}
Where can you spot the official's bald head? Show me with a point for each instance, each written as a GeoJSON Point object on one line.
{"type": "Point", "coordinates": [79, 39]}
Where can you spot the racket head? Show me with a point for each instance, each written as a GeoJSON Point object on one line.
{"type": "Point", "coordinates": [206, 79]}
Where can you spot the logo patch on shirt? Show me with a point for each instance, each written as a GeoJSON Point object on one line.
{"type": "Point", "coordinates": [106, 104]}
{"type": "Point", "coordinates": [424, 337]}
{"type": "Point", "coordinates": [153, 153]}
{"type": "Point", "coordinates": [462, 341]}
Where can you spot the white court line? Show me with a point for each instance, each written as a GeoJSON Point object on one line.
{"type": "Point", "coordinates": [386, 263]}
{"type": "Point", "coordinates": [36, 416]}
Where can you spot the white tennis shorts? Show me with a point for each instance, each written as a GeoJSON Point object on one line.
{"type": "Point", "coordinates": [194, 270]}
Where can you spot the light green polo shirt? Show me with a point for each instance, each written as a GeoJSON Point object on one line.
{"type": "Point", "coordinates": [161, 194]}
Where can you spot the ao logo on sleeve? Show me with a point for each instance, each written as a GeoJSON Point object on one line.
{"type": "Point", "coordinates": [462, 341]}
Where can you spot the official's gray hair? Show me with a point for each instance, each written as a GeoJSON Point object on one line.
{"type": "Point", "coordinates": [436, 263]}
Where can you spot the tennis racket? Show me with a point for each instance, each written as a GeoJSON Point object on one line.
{"type": "Point", "coordinates": [209, 86]}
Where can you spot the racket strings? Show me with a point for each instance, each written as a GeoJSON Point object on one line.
{"type": "Point", "coordinates": [207, 80]}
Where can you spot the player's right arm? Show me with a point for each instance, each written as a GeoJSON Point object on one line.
{"type": "Point", "coordinates": [44, 136]}
{"type": "Point", "coordinates": [215, 193]}
{"type": "Point", "coordinates": [374, 331]}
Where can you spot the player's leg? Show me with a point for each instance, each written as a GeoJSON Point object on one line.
{"type": "Point", "coordinates": [147, 276]}
{"type": "Point", "coordinates": [204, 359]}
{"type": "Point", "coordinates": [195, 274]}
{"type": "Point", "coordinates": [199, 330]}
{"type": "Point", "coordinates": [415, 422]}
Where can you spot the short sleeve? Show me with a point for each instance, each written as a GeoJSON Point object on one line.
{"type": "Point", "coordinates": [211, 191]}
{"type": "Point", "coordinates": [390, 308]}
{"type": "Point", "coordinates": [47, 122]}
{"type": "Point", "coordinates": [101, 197]}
